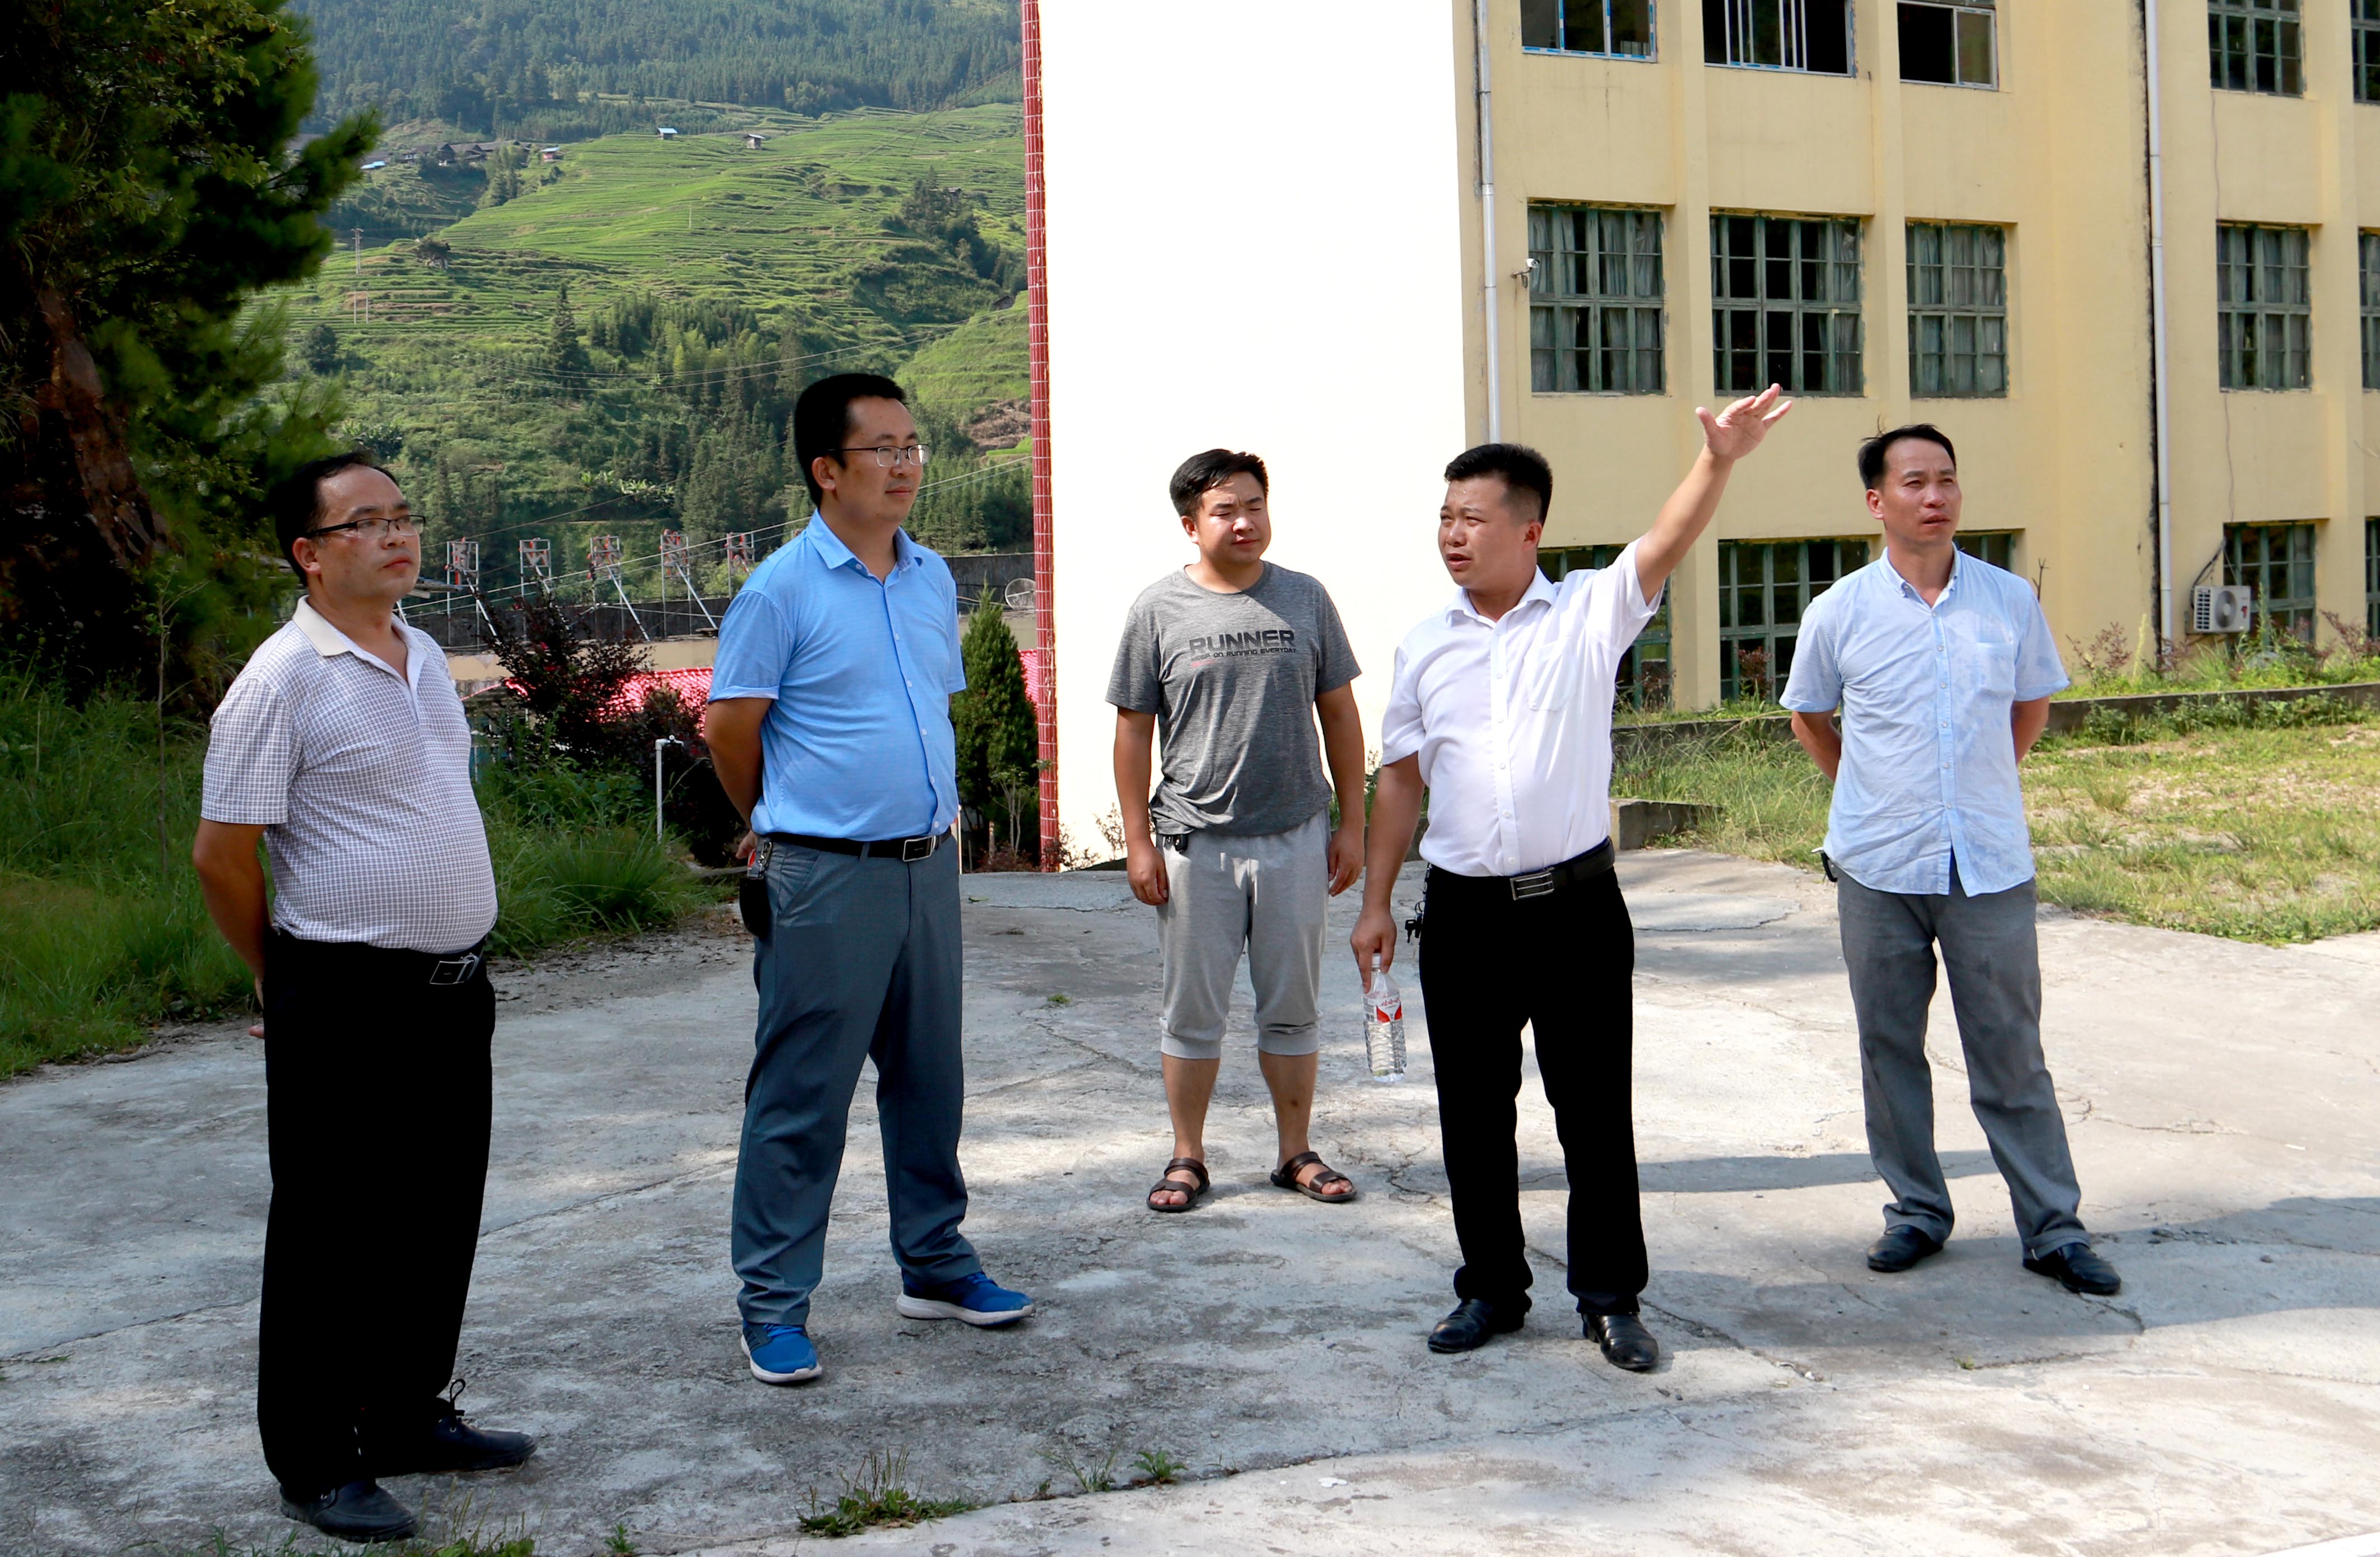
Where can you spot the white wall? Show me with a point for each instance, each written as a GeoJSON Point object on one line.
{"type": "Point", "coordinates": [1253, 242]}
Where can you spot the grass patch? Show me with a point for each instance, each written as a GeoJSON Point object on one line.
{"type": "Point", "coordinates": [877, 1498]}
{"type": "Point", "coordinates": [102, 933]}
{"type": "Point", "coordinates": [2252, 821]}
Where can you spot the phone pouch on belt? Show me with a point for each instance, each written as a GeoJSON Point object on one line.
{"type": "Point", "coordinates": [752, 890]}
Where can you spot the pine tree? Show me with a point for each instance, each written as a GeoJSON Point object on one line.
{"type": "Point", "coordinates": [151, 181]}
{"type": "Point", "coordinates": [999, 739]}
{"type": "Point", "coordinates": [565, 353]}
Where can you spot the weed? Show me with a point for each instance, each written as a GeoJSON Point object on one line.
{"type": "Point", "coordinates": [2249, 821]}
{"type": "Point", "coordinates": [876, 1497]}
{"type": "Point", "coordinates": [1087, 1476]}
{"type": "Point", "coordinates": [1158, 1465]}
{"type": "Point", "coordinates": [1062, 1000]}
{"type": "Point", "coordinates": [618, 1544]}
{"type": "Point", "coordinates": [1967, 1363]}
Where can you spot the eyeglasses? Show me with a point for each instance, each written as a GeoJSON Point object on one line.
{"type": "Point", "coordinates": [914, 454]}
{"type": "Point", "coordinates": [368, 531]}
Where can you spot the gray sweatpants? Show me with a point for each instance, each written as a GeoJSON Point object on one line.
{"type": "Point", "coordinates": [861, 963]}
{"type": "Point", "coordinates": [1265, 891]}
{"type": "Point", "coordinates": [1994, 962]}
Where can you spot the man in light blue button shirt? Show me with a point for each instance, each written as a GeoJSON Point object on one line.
{"type": "Point", "coordinates": [830, 724]}
{"type": "Point", "coordinates": [1943, 667]}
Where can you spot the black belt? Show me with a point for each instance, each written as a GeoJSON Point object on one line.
{"type": "Point", "coordinates": [446, 968]}
{"type": "Point", "coordinates": [907, 849]}
{"type": "Point", "coordinates": [1595, 862]}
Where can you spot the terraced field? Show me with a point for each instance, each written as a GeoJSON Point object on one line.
{"type": "Point", "coordinates": [777, 226]}
{"type": "Point", "coordinates": [443, 356]}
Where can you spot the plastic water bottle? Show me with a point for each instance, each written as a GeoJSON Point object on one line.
{"type": "Point", "coordinates": [1384, 1025]}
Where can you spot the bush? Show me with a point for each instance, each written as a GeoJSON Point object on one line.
{"type": "Point", "coordinates": [100, 939]}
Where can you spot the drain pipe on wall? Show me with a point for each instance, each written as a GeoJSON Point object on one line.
{"type": "Point", "coordinates": [1489, 295]}
{"type": "Point", "coordinates": [2161, 389]}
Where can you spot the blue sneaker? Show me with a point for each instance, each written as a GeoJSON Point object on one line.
{"type": "Point", "coordinates": [779, 1354]}
{"type": "Point", "coordinates": [975, 1299]}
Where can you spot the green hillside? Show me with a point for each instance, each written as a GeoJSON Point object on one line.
{"type": "Point", "coordinates": [705, 281]}
{"type": "Point", "coordinates": [567, 70]}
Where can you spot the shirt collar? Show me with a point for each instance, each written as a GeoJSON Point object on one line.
{"type": "Point", "coordinates": [1958, 565]}
{"type": "Point", "coordinates": [834, 554]}
{"type": "Point", "coordinates": [330, 642]}
{"type": "Point", "coordinates": [1540, 588]}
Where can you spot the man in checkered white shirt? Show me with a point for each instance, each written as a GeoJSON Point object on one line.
{"type": "Point", "coordinates": [343, 748]}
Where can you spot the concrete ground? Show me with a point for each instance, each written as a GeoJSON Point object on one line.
{"type": "Point", "coordinates": [2225, 1104]}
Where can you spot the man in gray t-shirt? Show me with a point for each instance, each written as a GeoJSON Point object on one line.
{"type": "Point", "coordinates": [1232, 660]}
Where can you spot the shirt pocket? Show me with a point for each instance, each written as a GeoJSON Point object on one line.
{"type": "Point", "coordinates": [1555, 670]}
{"type": "Point", "coordinates": [1987, 665]}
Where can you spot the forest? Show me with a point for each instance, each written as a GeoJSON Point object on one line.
{"type": "Point", "coordinates": [570, 69]}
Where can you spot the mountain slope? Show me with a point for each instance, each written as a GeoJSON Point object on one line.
{"type": "Point", "coordinates": [554, 69]}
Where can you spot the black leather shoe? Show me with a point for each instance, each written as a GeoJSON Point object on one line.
{"type": "Point", "coordinates": [359, 1511]}
{"type": "Point", "coordinates": [1473, 1321]}
{"type": "Point", "coordinates": [450, 1443]}
{"type": "Point", "coordinates": [1625, 1342]}
{"type": "Point", "coordinates": [1899, 1248]}
{"type": "Point", "coordinates": [2076, 1268]}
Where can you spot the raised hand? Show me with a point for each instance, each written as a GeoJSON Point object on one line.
{"type": "Point", "coordinates": [1737, 430]}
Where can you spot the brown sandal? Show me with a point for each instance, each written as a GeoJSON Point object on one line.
{"type": "Point", "coordinates": [1285, 1177]}
{"type": "Point", "coordinates": [1189, 1193]}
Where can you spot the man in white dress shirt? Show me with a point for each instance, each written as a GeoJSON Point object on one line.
{"type": "Point", "coordinates": [1501, 710]}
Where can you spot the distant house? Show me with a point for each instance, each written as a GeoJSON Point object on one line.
{"type": "Point", "coordinates": [754, 141]}
{"type": "Point", "coordinates": [375, 165]}
{"type": "Point", "coordinates": [551, 154]}
{"type": "Point", "coordinates": [667, 133]}
{"type": "Point", "coordinates": [446, 154]}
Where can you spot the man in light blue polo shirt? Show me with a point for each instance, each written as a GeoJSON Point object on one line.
{"type": "Point", "coordinates": [1943, 667]}
{"type": "Point", "coordinates": [830, 724]}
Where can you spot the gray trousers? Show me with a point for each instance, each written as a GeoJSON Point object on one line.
{"type": "Point", "coordinates": [861, 963]}
{"type": "Point", "coordinates": [1266, 894]}
{"type": "Point", "coordinates": [1993, 958]}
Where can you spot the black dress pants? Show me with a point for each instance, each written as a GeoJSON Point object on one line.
{"type": "Point", "coordinates": [1562, 964]}
{"type": "Point", "coordinates": [376, 1096]}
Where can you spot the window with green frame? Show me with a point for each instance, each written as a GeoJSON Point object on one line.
{"type": "Point", "coordinates": [1618, 27]}
{"type": "Point", "coordinates": [2264, 301]}
{"type": "Point", "coordinates": [1594, 300]}
{"type": "Point", "coordinates": [1957, 309]}
{"type": "Point", "coordinates": [1785, 304]}
{"type": "Point", "coordinates": [2366, 20]}
{"type": "Point", "coordinates": [2367, 253]}
{"type": "Point", "coordinates": [1645, 670]}
{"type": "Point", "coordinates": [2254, 45]}
{"type": "Point", "coordinates": [1996, 547]}
{"type": "Point", "coordinates": [2276, 561]}
{"type": "Point", "coordinates": [1763, 587]}
{"type": "Point", "coordinates": [2372, 576]}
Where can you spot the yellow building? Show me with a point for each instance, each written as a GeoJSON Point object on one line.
{"type": "Point", "coordinates": [1268, 227]}
{"type": "Point", "coordinates": [1939, 210]}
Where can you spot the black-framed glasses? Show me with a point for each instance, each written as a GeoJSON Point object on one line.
{"type": "Point", "coordinates": [912, 454]}
{"type": "Point", "coordinates": [371, 529]}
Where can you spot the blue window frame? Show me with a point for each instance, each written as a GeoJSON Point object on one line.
{"type": "Point", "coordinates": [1614, 29]}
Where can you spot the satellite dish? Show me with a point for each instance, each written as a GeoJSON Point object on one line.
{"type": "Point", "coordinates": [1020, 594]}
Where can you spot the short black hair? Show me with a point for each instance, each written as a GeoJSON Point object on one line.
{"type": "Point", "coordinates": [1871, 453]}
{"type": "Point", "coordinates": [1522, 467]}
{"type": "Point", "coordinates": [296, 500]}
{"type": "Point", "coordinates": [1203, 472]}
{"type": "Point", "coordinates": [823, 417]}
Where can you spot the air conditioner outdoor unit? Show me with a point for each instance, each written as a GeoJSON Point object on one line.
{"type": "Point", "coordinates": [2222, 608]}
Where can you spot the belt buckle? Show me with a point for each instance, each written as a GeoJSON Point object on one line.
{"type": "Point", "coordinates": [1537, 883]}
{"type": "Point", "coordinates": [456, 970]}
{"type": "Point", "coordinates": [914, 849]}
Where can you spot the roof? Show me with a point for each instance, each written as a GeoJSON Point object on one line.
{"type": "Point", "coordinates": [692, 685]}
